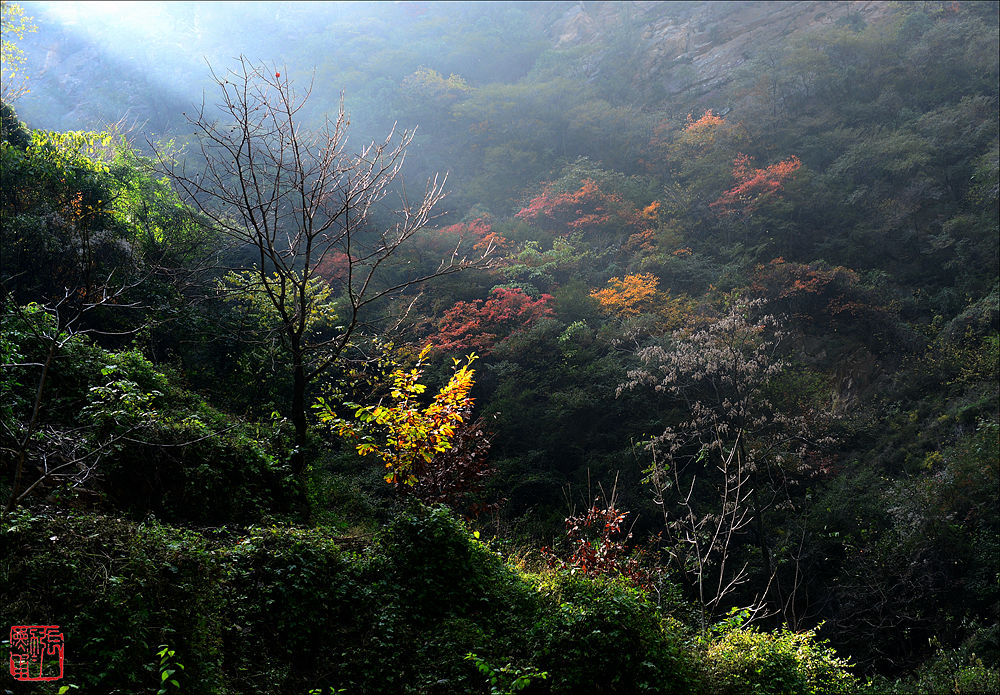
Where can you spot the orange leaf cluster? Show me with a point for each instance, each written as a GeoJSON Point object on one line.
{"type": "Point", "coordinates": [642, 241]}
{"type": "Point", "coordinates": [703, 124]}
{"type": "Point", "coordinates": [650, 211]}
{"type": "Point", "coordinates": [627, 296]}
{"type": "Point", "coordinates": [817, 294]}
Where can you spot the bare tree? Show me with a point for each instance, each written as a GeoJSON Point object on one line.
{"type": "Point", "coordinates": [298, 198]}
{"type": "Point", "coordinates": [716, 473]}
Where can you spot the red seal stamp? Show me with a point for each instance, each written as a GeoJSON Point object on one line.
{"type": "Point", "coordinates": [36, 653]}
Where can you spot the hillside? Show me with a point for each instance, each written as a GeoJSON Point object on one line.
{"type": "Point", "coordinates": [684, 379]}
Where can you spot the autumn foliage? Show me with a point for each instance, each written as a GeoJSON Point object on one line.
{"type": "Point", "coordinates": [583, 209]}
{"type": "Point", "coordinates": [599, 546]}
{"type": "Point", "coordinates": [457, 476]}
{"type": "Point", "coordinates": [406, 437]}
{"type": "Point", "coordinates": [334, 266]}
{"type": "Point", "coordinates": [627, 296]}
{"type": "Point", "coordinates": [704, 126]}
{"type": "Point", "coordinates": [479, 325]}
{"type": "Point", "coordinates": [479, 232]}
{"type": "Point", "coordinates": [638, 294]}
{"type": "Point", "coordinates": [821, 295]}
{"type": "Point", "coordinates": [753, 186]}
{"type": "Point", "coordinates": [437, 453]}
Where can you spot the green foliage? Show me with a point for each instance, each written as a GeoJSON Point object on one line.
{"type": "Point", "coordinates": [506, 679]}
{"type": "Point", "coordinates": [116, 590]}
{"type": "Point", "coordinates": [958, 671]}
{"type": "Point", "coordinates": [890, 233]}
{"type": "Point", "coordinates": [279, 609]}
{"type": "Point", "coordinates": [168, 667]}
{"type": "Point", "coordinates": [746, 661]}
{"type": "Point", "coordinates": [254, 293]}
{"type": "Point", "coordinates": [13, 81]}
{"type": "Point", "coordinates": [601, 635]}
{"type": "Point", "coordinates": [152, 446]}
{"type": "Point", "coordinates": [11, 129]}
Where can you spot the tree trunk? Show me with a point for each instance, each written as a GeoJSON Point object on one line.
{"type": "Point", "coordinates": [298, 414]}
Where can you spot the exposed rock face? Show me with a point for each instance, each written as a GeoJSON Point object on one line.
{"type": "Point", "coordinates": [696, 47]}
{"type": "Point", "coordinates": [856, 374]}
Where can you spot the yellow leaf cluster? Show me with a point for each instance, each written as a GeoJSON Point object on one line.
{"type": "Point", "coordinates": [405, 436]}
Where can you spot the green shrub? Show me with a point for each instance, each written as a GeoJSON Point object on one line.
{"type": "Point", "coordinates": [746, 661]}
{"type": "Point", "coordinates": [602, 636]}
{"type": "Point", "coordinates": [959, 671]}
{"type": "Point", "coordinates": [153, 446]}
{"type": "Point", "coordinates": [116, 590]}
{"type": "Point", "coordinates": [288, 610]}
{"type": "Point", "coordinates": [295, 604]}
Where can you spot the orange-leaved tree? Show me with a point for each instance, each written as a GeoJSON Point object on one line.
{"type": "Point", "coordinates": [404, 435]}
{"type": "Point", "coordinates": [705, 127]}
{"type": "Point", "coordinates": [628, 296]}
{"type": "Point", "coordinates": [633, 295]}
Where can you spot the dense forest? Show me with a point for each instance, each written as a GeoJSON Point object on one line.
{"type": "Point", "coordinates": [515, 347]}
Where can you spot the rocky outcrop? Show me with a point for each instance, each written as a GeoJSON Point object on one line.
{"type": "Point", "coordinates": [855, 376]}
{"type": "Point", "coordinates": [695, 48]}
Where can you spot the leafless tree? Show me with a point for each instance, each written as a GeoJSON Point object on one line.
{"type": "Point", "coordinates": [297, 199]}
{"type": "Point", "coordinates": [716, 473]}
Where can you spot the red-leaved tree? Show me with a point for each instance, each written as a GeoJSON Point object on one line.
{"type": "Point", "coordinates": [754, 186]}
{"type": "Point", "coordinates": [582, 210]}
{"type": "Point", "coordinates": [479, 325]}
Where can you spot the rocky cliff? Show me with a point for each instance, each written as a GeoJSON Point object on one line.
{"type": "Point", "coordinates": [695, 48]}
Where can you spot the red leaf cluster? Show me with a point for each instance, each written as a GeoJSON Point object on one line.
{"type": "Point", "coordinates": [755, 185]}
{"type": "Point", "coordinates": [334, 266]}
{"type": "Point", "coordinates": [479, 325]}
{"type": "Point", "coordinates": [585, 208]}
{"type": "Point", "coordinates": [480, 231]}
{"type": "Point", "coordinates": [598, 546]}
{"type": "Point", "coordinates": [457, 477]}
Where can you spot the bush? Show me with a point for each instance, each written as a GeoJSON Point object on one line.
{"type": "Point", "coordinates": [746, 661]}
{"type": "Point", "coordinates": [150, 445]}
{"type": "Point", "coordinates": [959, 671]}
{"type": "Point", "coordinates": [284, 610]}
{"type": "Point", "coordinates": [602, 636]}
{"type": "Point", "coordinates": [117, 590]}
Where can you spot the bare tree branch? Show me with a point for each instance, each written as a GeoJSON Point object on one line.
{"type": "Point", "coordinates": [296, 198]}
